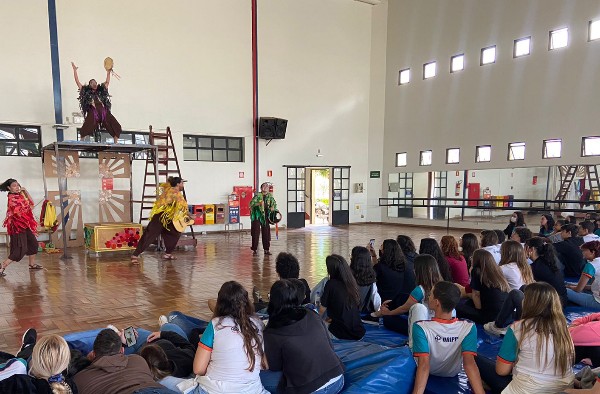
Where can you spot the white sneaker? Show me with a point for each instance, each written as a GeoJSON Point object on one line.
{"type": "Point", "coordinates": [162, 319]}
{"type": "Point", "coordinates": [115, 329]}
{"type": "Point", "coordinates": [491, 329]}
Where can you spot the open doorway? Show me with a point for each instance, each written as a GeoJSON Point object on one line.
{"type": "Point", "coordinates": [318, 199]}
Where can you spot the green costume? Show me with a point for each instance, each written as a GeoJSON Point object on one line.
{"type": "Point", "coordinates": [257, 212]}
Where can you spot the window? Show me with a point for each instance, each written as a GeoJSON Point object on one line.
{"type": "Point", "coordinates": [18, 140]}
{"type": "Point", "coordinates": [552, 149]}
{"type": "Point", "coordinates": [209, 148]}
{"type": "Point", "coordinates": [401, 159]}
{"type": "Point", "coordinates": [457, 63]}
{"type": "Point", "coordinates": [488, 55]}
{"type": "Point", "coordinates": [425, 158]}
{"type": "Point", "coordinates": [484, 153]}
{"type": "Point", "coordinates": [126, 137]}
{"type": "Point", "coordinates": [516, 151]}
{"type": "Point", "coordinates": [452, 155]}
{"type": "Point", "coordinates": [429, 70]}
{"type": "Point", "coordinates": [404, 76]}
{"type": "Point", "coordinates": [559, 38]}
{"type": "Point", "coordinates": [594, 30]}
{"type": "Point", "coordinates": [522, 47]}
{"type": "Point", "coordinates": [590, 146]}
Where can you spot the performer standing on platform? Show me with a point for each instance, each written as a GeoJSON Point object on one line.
{"type": "Point", "coordinates": [20, 225]}
{"type": "Point", "coordinates": [169, 206]}
{"type": "Point", "coordinates": [94, 102]}
{"type": "Point", "coordinates": [260, 206]}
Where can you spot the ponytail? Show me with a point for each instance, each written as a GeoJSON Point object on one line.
{"type": "Point", "coordinates": [4, 187]}
{"type": "Point", "coordinates": [544, 249]}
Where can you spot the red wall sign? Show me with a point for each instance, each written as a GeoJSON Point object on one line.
{"type": "Point", "coordinates": [269, 173]}
{"type": "Point", "coordinates": [107, 184]}
{"type": "Point", "coordinates": [241, 174]}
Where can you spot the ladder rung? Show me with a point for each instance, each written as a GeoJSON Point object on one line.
{"type": "Point", "coordinates": [159, 135]}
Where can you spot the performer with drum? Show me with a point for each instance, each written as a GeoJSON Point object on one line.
{"type": "Point", "coordinates": [263, 211]}
{"type": "Point", "coordinates": [94, 102]}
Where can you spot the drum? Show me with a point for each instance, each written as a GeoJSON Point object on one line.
{"type": "Point", "coordinates": [274, 217]}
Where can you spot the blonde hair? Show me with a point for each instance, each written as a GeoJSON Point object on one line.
{"type": "Point", "coordinates": [51, 356]}
{"type": "Point", "coordinates": [542, 315]}
{"type": "Point", "coordinates": [513, 252]}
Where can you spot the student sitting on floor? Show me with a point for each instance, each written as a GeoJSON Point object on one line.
{"type": "Point", "coordinates": [341, 300]}
{"type": "Point", "coordinates": [439, 345]}
{"type": "Point", "coordinates": [297, 343]}
{"type": "Point", "coordinates": [458, 264]}
{"type": "Point", "coordinates": [569, 251]}
{"type": "Point", "coordinates": [430, 246]}
{"type": "Point", "coordinates": [586, 230]}
{"type": "Point", "coordinates": [427, 275]}
{"type": "Point", "coordinates": [521, 235]}
{"type": "Point", "coordinates": [489, 242]}
{"type": "Point", "coordinates": [513, 264]}
{"type": "Point", "coordinates": [469, 244]}
{"type": "Point", "coordinates": [591, 252]}
{"type": "Point", "coordinates": [538, 349]}
{"type": "Point", "coordinates": [555, 236]}
{"type": "Point", "coordinates": [489, 290]}
{"type": "Point", "coordinates": [410, 251]}
{"type": "Point", "coordinates": [364, 274]}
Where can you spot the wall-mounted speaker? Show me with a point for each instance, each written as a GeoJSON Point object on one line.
{"type": "Point", "coordinates": [272, 128]}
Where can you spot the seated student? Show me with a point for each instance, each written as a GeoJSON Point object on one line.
{"type": "Point", "coordinates": [17, 364]}
{"type": "Point", "coordinates": [364, 274]}
{"type": "Point", "coordinates": [427, 275]}
{"type": "Point", "coordinates": [516, 220]}
{"type": "Point", "coordinates": [585, 332]}
{"type": "Point", "coordinates": [341, 300]}
{"type": "Point", "coordinates": [287, 267]}
{"type": "Point", "coordinates": [546, 225]}
{"type": "Point", "coordinates": [430, 246]}
{"type": "Point", "coordinates": [514, 266]}
{"type": "Point", "coordinates": [458, 265]}
{"type": "Point", "coordinates": [469, 244]}
{"type": "Point", "coordinates": [297, 343]}
{"type": "Point", "coordinates": [489, 290]}
{"type": "Point", "coordinates": [586, 231]}
{"type": "Point", "coordinates": [408, 248]}
{"type": "Point", "coordinates": [537, 349]}
{"type": "Point", "coordinates": [569, 251]}
{"type": "Point", "coordinates": [597, 225]}
{"type": "Point", "coordinates": [230, 353]}
{"type": "Point", "coordinates": [591, 253]}
{"type": "Point", "coordinates": [113, 372]}
{"type": "Point", "coordinates": [395, 279]}
{"type": "Point", "coordinates": [443, 345]}
{"type": "Point", "coordinates": [521, 234]}
{"type": "Point", "coordinates": [489, 242]}
{"type": "Point", "coordinates": [555, 236]}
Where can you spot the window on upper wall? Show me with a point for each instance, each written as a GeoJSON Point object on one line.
{"type": "Point", "coordinates": [516, 151]}
{"type": "Point", "coordinates": [429, 70]}
{"type": "Point", "coordinates": [559, 38]}
{"type": "Point", "coordinates": [457, 63]}
{"type": "Point", "coordinates": [590, 146]}
{"type": "Point", "coordinates": [488, 55]}
{"type": "Point", "coordinates": [18, 140]}
{"type": "Point", "coordinates": [483, 153]}
{"type": "Point", "coordinates": [401, 159]}
{"type": "Point", "coordinates": [210, 148]}
{"type": "Point", "coordinates": [425, 158]}
{"type": "Point", "coordinates": [552, 149]}
{"type": "Point", "coordinates": [452, 156]}
{"type": "Point", "coordinates": [126, 137]}
{"type": "Point", "coordinates": [404, 76]}
{"type": "Point", "coordinates": [522, 47]}
{"type": "Point", "coordinates": [594, 30]}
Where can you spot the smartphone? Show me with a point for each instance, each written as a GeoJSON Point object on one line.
{"type": "Point", "coordinates": [130, 339]}
{"type": "Point", "coordinates": [372, 243]}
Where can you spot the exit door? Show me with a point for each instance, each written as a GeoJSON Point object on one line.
{"type": "Point", "coordinates": [474, 192]}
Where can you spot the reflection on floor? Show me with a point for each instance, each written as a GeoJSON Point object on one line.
{"type": "Point", "coordinates": [86, 292]}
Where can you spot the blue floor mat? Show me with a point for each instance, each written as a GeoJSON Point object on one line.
{"type": "Point", "coordinates": [382, 336]}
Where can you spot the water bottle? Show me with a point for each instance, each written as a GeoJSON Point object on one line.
{"type": "Point", "coordinates": [318, 301]}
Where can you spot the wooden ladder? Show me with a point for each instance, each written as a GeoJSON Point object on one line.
{"type": "Point", "coordinates": [565, 183]}
{"type": "Point", "coordinates": [167, 165]}
{"type": "Point", "coordinates": [591, 174]}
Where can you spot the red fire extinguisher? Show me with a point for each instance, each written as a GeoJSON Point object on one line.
{"type": "Point", "coordinates": [457, 188]}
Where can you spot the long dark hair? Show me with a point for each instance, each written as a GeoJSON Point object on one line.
{"type": "Point", "coordinates": [361, 265]}
{"type": "Point", "coordinates": [431, 247]}
{"type": "Point", "coordinates": [5, 186]}
{"type": "Point", "coordinates": [284, 306]}
{"type": "Point", "coordinates": [520, 219]}
{"type": "Point", "coordinates": [406, 244]}
{"type": "Point", "coordinates": [157, 361]}
{"type": "Point", "coordinates": [469, 244]}
{"type": "Point", "coordinates": [392, 255]}
{"type": "Point", "coordinates": [545, 250]}
{"type": "Point", "coordinates": [338, 269]}
{"type": "Point", "coordinates": [233, 301]}
{"type": "Point", "coordinates": [427, 273]}
{"type": "Point", "coordinates": [549, 224]}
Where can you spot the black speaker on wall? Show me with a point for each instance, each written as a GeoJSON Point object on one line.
{"type": "Point", "coordinates": [272, 128]}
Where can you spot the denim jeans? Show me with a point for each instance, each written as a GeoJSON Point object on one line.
{"type": "Point", "coordinates": [171, 382]}
{"type": "Point", "coordinates": [584, 299]}
{"type": "Point", "coordinates": [270, 380]}
{"type": "Point", "coordinates": [186, 323]}
{"type": "Point", "coordinates": [333, 388]}
{"type": "Point", "coordinates": [154, 390]}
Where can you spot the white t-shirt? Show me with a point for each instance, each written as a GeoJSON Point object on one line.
{"type": "Point", "coordinates": [495, 251]}
{"type": "Point", "coordinates": [513, 276]}
{"type": "Point", "coordinates": [590, 238]}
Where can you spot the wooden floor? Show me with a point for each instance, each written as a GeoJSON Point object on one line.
{"type": "Point", "coordinates": [87, 292]}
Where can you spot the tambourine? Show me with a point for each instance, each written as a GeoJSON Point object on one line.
{"type": "Point", "coordinates": [108, 66]}
{"type": "Point", "coordinates": [274, 217]}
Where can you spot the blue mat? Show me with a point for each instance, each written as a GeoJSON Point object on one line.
{"type": "Point", "coordinates": [380, 335]}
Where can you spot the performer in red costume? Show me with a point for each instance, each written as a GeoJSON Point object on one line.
{"type": "Point", "coordinates": [20, 225]}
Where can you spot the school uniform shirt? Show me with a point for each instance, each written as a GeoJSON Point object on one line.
{"type": "Point", "coordinates": [458, 270]}
{"type": "Point", "coordinates": [535, 375]}
{"type": "Point", "coordinates": [345, 317]}
{"type": "Point", "coordinates": [491, 298]}
{"type": "Point", "coordinates": [513, 276]}
{"type": "Point", "coordinates": [590, 238]}
{"type": "Point", "coordinates": [543, 273]}
{"type": "Point", "coordinates": [592, 270]}
{"type": "Point", "coordinates": [495, 251]}
{"type": "Point", "coordinates": [444, 341]}
{"type": "Point", "coordinates": [570, 256]}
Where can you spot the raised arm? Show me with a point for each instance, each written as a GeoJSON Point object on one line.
{"type": "Point", "coordinates": [107, 79]}
{"type": "Point", "coordinates": [79, 85]}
